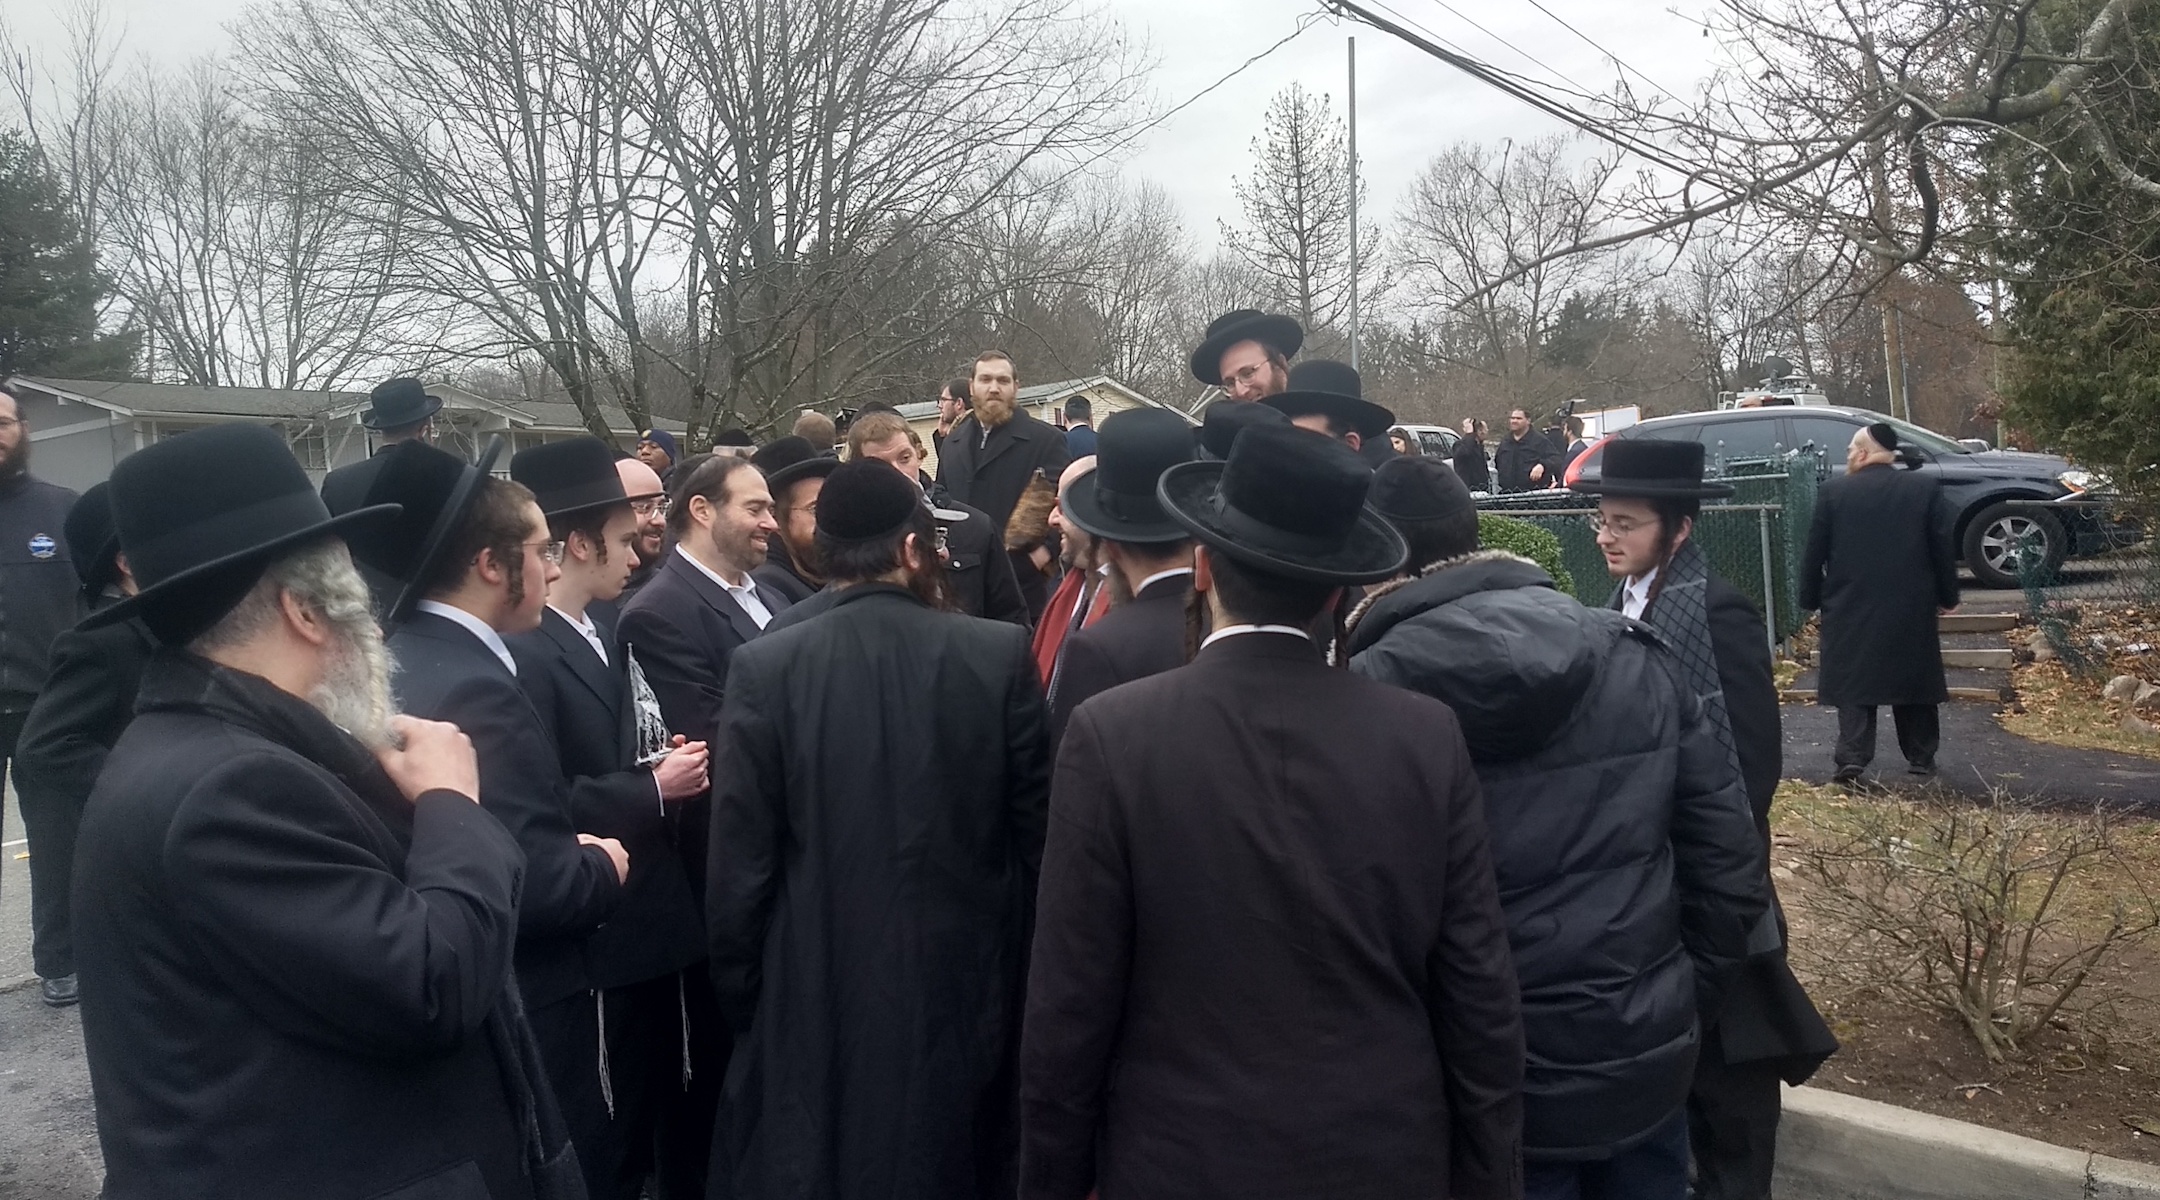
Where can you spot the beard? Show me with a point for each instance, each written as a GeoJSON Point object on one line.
{"type": "Point", "coordinates": [736, 548]}
{"type": "Point", "coordinates": [16, 462]}
{"type": "Point", "coordinates": [992, 412]}
{"type": "Point", "coordinates": [355, 691]}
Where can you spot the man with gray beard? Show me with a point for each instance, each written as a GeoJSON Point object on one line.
{"type": "Point", "coordinates": [293, 921]}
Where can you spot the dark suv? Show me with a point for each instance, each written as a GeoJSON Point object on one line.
{"type": "Point", "coordinates": [2003, 501]}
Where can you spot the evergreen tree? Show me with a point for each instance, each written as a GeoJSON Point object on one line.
{"type": "Point", "coordinates": [50, 286]}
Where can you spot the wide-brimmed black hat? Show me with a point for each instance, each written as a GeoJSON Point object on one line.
{"type": "Point", "coordinates": [396, 403]}
{"type": "Point", "coordinates": [569, 476]}
{"type": "Point", "coordinates": [1653, 470]}
{"type": "Point", "coordinates": [1289, 502]}
{"type": "Point", "coordinates": [1413, 488]}
{"type": "Point", "coordinates": [93, 542]}
{"type": "Point", "coordinates": [1225, 419]}
{"type": "Point", "coordinates": [1243, 325]}
{"type": "Point", "coordinates": [202, 514]}
{"type": "Point", "coordinates": [1117, 499]}
{"type": "Point", "coordinates": [435, 489]}
{"type": "Point", "coordinates": [785, 460]}
{"type": "Point", "coordinates": [1333, 390]}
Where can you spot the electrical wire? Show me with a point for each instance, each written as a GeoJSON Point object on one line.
{"type": "Point", "coordinates": [1594, 45]}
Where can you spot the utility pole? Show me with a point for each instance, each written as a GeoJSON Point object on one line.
{"type": "Point", "coordinates": [1353, 208]}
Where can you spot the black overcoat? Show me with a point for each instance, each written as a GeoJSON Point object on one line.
{"type": "Point", "coordinates": [780, 574]}
{"type": "Point", "coordinates": [1513, 458]}
{"type": "Point", "coordinates": [977, 568]}
{"type": "Point", "coordinates": [585, 705]}
{"type": "Point", "coordinates": [1142, 637]}
{"type": "Point", "coordinates": [879, 795]}
{"type": "Point", "coordinates": [287, 969]}
{"type": "Point", "coordinates": [446, 674]}
{"type": "Point", "coordinates": [1879, 566]}
{"type": "Point", "coordinates": [1269, 958]}
{"type": "Point", "coordinates": [1470, 463]}
{"type": "Point", "coordinates": [990, 474]}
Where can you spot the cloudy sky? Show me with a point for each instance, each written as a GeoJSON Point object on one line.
{"type": "Point", "coordinates": [1409, 105]}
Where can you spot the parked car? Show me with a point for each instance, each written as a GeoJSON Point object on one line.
{"type": "Point", "coordinates": [2004, 503]}
{"type": "Point", "coordinates": [1432, 439]}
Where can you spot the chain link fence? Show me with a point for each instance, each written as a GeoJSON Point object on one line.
{"type": "Point", "coordinates": [1754, 541]}
{"type": "Point", "coordinates": [2083, 606]}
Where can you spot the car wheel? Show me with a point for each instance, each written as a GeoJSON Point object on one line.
{"type": "Point", "coordinates": [2000, 539]}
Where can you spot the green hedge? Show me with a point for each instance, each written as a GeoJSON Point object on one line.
{"type": "Point", "coordinates": [1496, 532]}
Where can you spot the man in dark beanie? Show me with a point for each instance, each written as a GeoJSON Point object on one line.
{"type": "Point", "coordinates": [293, 922]}
{"type": "Point", "coordinates": [1629, 860]}
{"type": "Point", "coordinates": [1269, 958]}
{"type": "Point", "coordinates": [88, 699]}
{"type": "Point", "coordinates": [879, 784]}
{"type": "Point", "coordinates": [1880, 567]}
{"type": "Point", "coordinates": [656, 449]}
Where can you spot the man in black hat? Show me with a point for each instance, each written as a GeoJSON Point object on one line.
{"type": "Point", "coordinates": [1247, 353]}
{"type": "Point", "coordinates": [1150, 558]}
{"type": "Point", "coordinates": [293, 923]}
{"type": "Point", "coordinates": [1327, 397]}
{"type": "Point", "coordinates": [626, 775]}
{"type": "Point", "coordinates": [1880, 568]}
{"type": "Point", "coordinates": [1222, 421]}
{"type": "Point", "coordinates": [399, 410]}
{"type": "Point", "coordinates": [795, 471]}
{"type": "Point", "coordinates": [1630, 862]}
{"type": "Point", "coordinates": [1266, 904]}
{"type": "Point", "coordinates": [878, 793]}
{"type": "Point", "coordinates": [474, 557]}
{"type": "Point", "coordinates": [88, 699]}
{"type": "Point", "coordinates": [1649, 495]}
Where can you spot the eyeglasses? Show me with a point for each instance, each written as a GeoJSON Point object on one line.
{"type": "Point", "coordinates": [551, 551]}
{"type": "Point", "coordinates": [7, 423]}
{"type": "Point", "coordinates": [655, 507]}
{"type": "Point", "coordinates": [1620, 527]}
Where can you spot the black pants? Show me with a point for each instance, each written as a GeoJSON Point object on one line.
{"type": "Point", "coordinates": [567, 1033]}
{"type": "Point", "coordinates": [1919, 735]}
{"type": "Point", "coordinates": [687, 1144]}
{"type": "Point", "coordinates": [1732, 1114]}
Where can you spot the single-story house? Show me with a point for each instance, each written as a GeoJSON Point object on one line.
{"type": "Point", "coordinates": [1045, 401]}
{"type": "Point", "coordinates": [81, 427]}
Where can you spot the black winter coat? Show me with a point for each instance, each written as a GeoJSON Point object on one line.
{"type": "Point", "coordinates": [1269, 956]}
{"type": "Point", "coordinates": [1513, 458]}
{"type": "Point", "coordinates": [1470, 463]}
{"type": "Point", "coordinates": [878, 805]}
{"type": "Point", "coordinates": [1879, 566]}
{"type": "Point", "coordinates": [977, 569]}
{"type": "Point", "coordinates": [656, 928]}
{"type": "Point", "coordinates": [1627, 856]}
{"type": "Point", "coordinates": [991, 474]}
{"type": "Point", "coordinates": [1142, 637]}
{"type": "Point", "coordinates": [447, 674]}
{"type": "Point", "coordinates": [86, 705]}
{"type": "Point", "coordinates": [289, 973]}
{"type": "Point", "coordinates": [40, 596]}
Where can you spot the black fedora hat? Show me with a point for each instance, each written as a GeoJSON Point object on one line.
{"type": "Point", "coordinates": [92, 540]}
{"type": "Point", "coordinates": [396, 403]}
{"type": "Point", "coordinates": [1225, 419]}
{"type": "Point", "coordinates": [434, 488]}
{"type": "Point", "coordinates": [1653, 470]}
{"type": "Point", "coordinates": [1117, 499]}
{"type": "Point", "coordinates": [202, 514]}
{"type": "Point", "coordinates": [1333, 390]}
{"type": "Point", "coordinates": [785, 460]}
{"type": "Point", "coordinates": [569, 476]}
{"type": "Point", "coordinates": [1243, 325]}
{"type": "Point", "coordinates": [1290, 502]}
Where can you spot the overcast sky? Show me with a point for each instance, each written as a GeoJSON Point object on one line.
{"type": "Point", "coordinates": [1409, 105]}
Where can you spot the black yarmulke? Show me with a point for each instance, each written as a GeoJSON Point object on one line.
{"type": "Point", "coordinates": [1418, 489]}
{"type": "Point", "coordinates": [866, 499]}
{"type": "Point", "coordinates": [1884, 434]}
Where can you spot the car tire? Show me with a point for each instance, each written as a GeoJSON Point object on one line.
{"type": "Point", "coordinates": [1995, 537]}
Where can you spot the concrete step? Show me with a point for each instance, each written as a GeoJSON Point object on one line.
{"type": "Point", "coordinates": [1988, 660]}
{"type": "Point", "coordinates": [1964, 622]}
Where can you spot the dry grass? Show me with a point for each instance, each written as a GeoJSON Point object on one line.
{"type": "Point", "coordinates": [2058, 707]}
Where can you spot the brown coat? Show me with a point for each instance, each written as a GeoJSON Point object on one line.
{"type": "Point", "coordinates": [1269, 958]}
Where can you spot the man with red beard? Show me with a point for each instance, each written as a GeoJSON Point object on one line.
{"type": "Point", "coordinates": [1005, 462]}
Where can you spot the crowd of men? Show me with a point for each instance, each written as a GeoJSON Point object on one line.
{"type": "Point", "coordinates": [1205, 815]}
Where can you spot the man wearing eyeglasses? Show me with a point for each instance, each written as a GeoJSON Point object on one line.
{"type": "Point", "coordinates": [651, 510]}
{"type": "Point", "coordinates": [1247, 353]}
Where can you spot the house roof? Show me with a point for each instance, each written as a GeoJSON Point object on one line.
{"type": "Point", "coordinates": [177, 399]}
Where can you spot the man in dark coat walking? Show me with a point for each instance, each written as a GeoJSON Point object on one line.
{"type": "Point", "coordinates": [294, 923]}
{"type": "Point", "coordinates": [1525, 460]}
{"type": "Point", "coordinates": [999, 455]}
{"type": "Point", "coordinates": [1269, 953]}
{"type": "Point", "coordinates": [87, 701]}
{"type": "Point", "coordinates": [1621, 833]}
{"type": "Point", "coordinates": [627, 776]}
{"type": "Point", "coordinates": [878, 796]}
{"type": "Point", "coordinates": [1880, 568]}
{"type": "Point", "coordinates": [1768, 1031]}
{"type": "Point", "coordinates": [1150, 557]}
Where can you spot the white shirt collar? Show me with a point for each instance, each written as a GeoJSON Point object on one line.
{"type": "Point", "coordinates": [1635, 597]}
{"type": "Point", "coordinates": [1149, 582]}
{"type": "Point", "coordinates": [586, 629]}
{"type": "Point", "coordinates": [745, 593]}
{"type": "Point", "coordinates": [1235, 630]}
{"type": "Point", "coordinates": [473, 625]}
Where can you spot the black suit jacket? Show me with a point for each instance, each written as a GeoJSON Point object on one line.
{"type": "Point", "coordinates": [87, 702]}
{"type": "Point", "coordinates": [1270, 958]}
{"type": "Point", "coordinates": [684, 629]}
{"type": "Point", "coordinates": [1143, 637]}
{"type": "Point", "coordinates": [447, 674]}
{"type": "Point", "coordinates": [290, 974]}
{"type": "Point", "coordinates": [585, 706]}
{"type": "Point", "coordinates": [977, 568]}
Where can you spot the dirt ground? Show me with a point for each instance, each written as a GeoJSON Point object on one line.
{"type": "Point", "coordinates": [2093, 1084]}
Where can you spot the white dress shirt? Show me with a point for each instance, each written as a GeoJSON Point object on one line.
{"type": "Point", "coordinates": [1235, 630]}
{"type": "Point", "coordinates": [1635, 597]}
{"type": "Point", "coordinates": [473, 625]}
{"type": "Point", "coordinates": [745, 593]}
{"type": "Point", "coordinates": [1149, 582]}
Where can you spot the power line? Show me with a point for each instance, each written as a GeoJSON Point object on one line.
{"type": "Point", "coordinates": [1594, 45]}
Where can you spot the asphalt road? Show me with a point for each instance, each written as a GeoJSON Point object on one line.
{"type": "Point", "coordinates": [48, 1135]}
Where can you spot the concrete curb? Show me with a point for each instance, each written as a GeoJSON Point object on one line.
{"type": "Point", "coordinates": [1837, 1147]}
{"type": "Point", "coordinates": [17, 984]}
